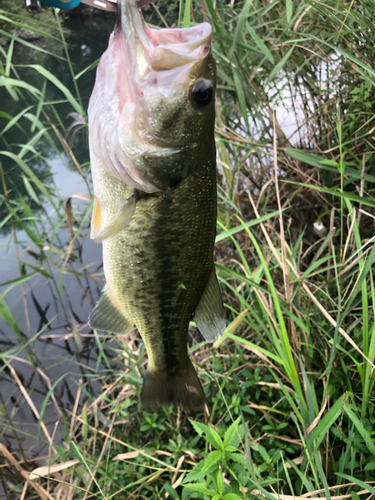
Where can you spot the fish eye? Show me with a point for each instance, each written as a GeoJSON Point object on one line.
{"type": "Point", "coordinates": [201, 93]}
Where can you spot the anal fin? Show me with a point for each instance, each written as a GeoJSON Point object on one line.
{"type": "Point", "coordinates": [107, 317]}
{"type": "Point", "coordinates": [209, 314]}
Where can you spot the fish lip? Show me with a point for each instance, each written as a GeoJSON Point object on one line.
{"type": "Point", "coordinates": [136, 44]}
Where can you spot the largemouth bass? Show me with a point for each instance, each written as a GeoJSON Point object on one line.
{"type": "Point", "coordinates": [152, 149]}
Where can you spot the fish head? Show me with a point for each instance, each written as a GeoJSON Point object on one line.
{"type": "Point", "coordinates": [177, 104]}
{"type": "Point", "coordinates": [153, 103]}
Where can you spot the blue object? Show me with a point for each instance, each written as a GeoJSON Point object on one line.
{"type": "Point", "coordinates": [62, 4]}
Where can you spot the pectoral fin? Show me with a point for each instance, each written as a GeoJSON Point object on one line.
{"type": "Point", "coordinates": [96, 220]}
{"type": "Point", "coordinates": [209, 314]}
{"type": "Point", "coordinates": [107, 317]}
{"type": "Point", "coordinates": [120, 221]}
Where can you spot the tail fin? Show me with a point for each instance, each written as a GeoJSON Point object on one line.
{"type": "Point", "coordinates": [181, 387]}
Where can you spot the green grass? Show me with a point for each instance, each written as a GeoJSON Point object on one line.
{"type": "Point", "coordinates": [290, 385]}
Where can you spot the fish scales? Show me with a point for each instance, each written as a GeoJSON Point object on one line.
{"type": "Point", "coordinates": [158, 228]}
{"type": "Point", "coordinates": [169, 238]}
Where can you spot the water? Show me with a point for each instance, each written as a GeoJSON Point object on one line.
{"type": "Point", "coordinates": [64, 351]}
